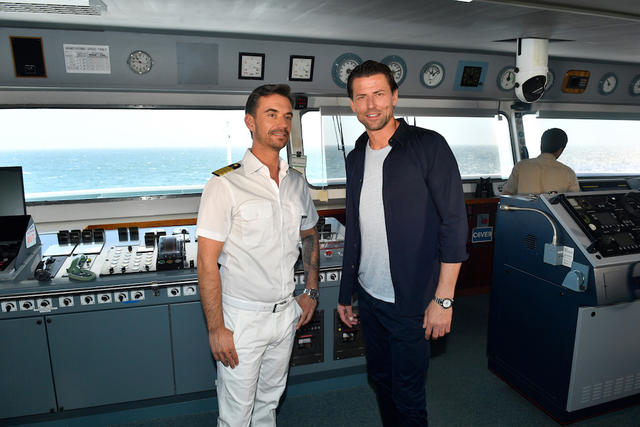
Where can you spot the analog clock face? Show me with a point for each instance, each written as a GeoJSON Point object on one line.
{"type": "Point", "coordinates": [608, 83]}
{"type": "Point", "coordinates": [251, 66]}
{"type": "Point", "coordinates": [139, 62]}
{"type": "Point", "coordinates": [342, 67]}
{"type": "Point", "coordinates": [397, 66]}
{"type": "Point", "coordinates": [432, 74]}
{"type": "Point", "coordinates": [507, 78]}
{"type": "Point", "coordinates": [550, 79]}
{"type": "Point", "coordinates": [301, 68]}
{"type": "Point", "coordinates": [634, 87]}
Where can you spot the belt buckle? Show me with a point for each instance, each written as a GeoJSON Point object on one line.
{"type": "Point", "coordinates": [277, 304]}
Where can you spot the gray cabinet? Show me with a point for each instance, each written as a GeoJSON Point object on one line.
{"type": "Point", "coordinates": [194, 364]}
{"type": "Point", "coordinates": [111, 356]}
{"type": "Point", "coordinates": [25, 372]}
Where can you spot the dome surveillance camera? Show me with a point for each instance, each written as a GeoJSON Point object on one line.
{"type": "Point", "coordinates": [531, 68]}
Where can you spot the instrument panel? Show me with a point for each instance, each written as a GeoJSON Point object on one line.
{"type": "Point", "coordinates": [610, 221]}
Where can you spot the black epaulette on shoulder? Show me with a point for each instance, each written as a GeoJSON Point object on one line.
{"type": "Point", "coordinates": [226, 169]}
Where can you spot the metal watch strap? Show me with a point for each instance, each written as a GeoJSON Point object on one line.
{"type": "Point", "coordinates": [312, 293]}
{"type": "Point", "coordinates": [442, 302]}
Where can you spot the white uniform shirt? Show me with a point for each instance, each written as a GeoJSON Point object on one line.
{"type": "Point", "coordinates": [259, 224]}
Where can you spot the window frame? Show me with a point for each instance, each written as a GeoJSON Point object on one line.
{"type": "Point", "coordinates": [151, 195]}
{"type": "Point", "coordinates": [439, 112]}
{"type": "Point", "coordinates": [572, 113]}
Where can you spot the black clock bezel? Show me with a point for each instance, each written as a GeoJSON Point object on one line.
{"type": "Point", "coordinates": [243, 54]}
{"type": "Point", "coordinates": [292, 58]}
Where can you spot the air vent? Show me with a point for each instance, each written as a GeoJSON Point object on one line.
{"type": "Point", "coordinates": [611, 389]}
{"type": "Point", "coordinates": [530, 241]}
{"type": "Point", "coordinates": [64, 7]}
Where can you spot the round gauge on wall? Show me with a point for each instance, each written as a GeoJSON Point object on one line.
{"type": "Point", "coordinates": [397, 66]}
{"type": "Point", "coordinates": [432, 74]}
{"type": "Point", "coordinates": [634, 87]}
{"type": "Point", "coordinates": [550, 79]}
{"type": "Point", "coordinates": [342, 67]}
{"type": "Point", "coordinates": [140, 62]}
{"type": "Point", "coordinates": [608, 84]}
{"type": "Point", "coordinates": [507, 78]}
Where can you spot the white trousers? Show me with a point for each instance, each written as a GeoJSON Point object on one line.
{"type": "Point", "coordinates": [249, 393]}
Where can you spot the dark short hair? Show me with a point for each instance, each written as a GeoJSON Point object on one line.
{"type": "Point", "coordinates": [552, 140]}
{"type": "Point", "coordinates": [266, 90]}
{"type": "Point", "coordinates": [370, 68]}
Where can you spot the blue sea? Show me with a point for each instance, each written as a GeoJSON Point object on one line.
{"type": "Point", "coordinates": [49, 171]}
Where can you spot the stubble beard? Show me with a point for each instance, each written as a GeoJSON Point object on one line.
{"type": "Point", "coordinates": [269, 142]}
{"type": "Point", "coordinates": [376, 126]}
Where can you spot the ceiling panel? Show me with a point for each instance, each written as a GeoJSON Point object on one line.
{"type": "Point", "coordinates": [596, 29]}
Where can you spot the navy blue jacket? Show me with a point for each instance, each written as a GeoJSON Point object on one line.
{"type": "Point", "coordinates": [425, 215]}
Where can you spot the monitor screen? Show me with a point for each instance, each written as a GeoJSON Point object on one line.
{"type": "Point", "coordinates": [471, 76]}
{"type": "Point", "coordinates": [11, 191]}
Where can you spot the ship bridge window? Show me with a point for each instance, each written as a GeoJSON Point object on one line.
{"type": "Point", "coordinates": [596, 146]}
{"type": "Point", "coordinates": [68, 153]}
{"type": "Point", "coordinates": [481, 144]}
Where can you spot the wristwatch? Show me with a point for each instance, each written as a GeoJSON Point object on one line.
{"type": "Point", "coordinates": [313, 293]}
{"type": "Point", "coordinates": [444, 302]}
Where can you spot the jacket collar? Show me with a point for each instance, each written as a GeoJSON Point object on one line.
{"type": "Point", "coordinates": [398, 137]}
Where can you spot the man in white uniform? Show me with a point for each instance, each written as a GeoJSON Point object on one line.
{"type": "Point", "coordinates": [543, 173]}
{"type": "Point", "coordinates": [252, 215]}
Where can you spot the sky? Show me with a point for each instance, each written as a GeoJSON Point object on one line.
{"type": "Point", "coordinates": [41, 129]}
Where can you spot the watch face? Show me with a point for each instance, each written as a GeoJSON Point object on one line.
{"type": "Point", "coordinates": [251, 66]}
{"type": "Point", "coordinates": [301, 68]}
{"type": "Point", "coordinates": [634, 87]}
{"type": "Point", "coordinates": [139, 62]}
{"type": "Point", "coordinates": [342, 67]}
{"type": "Point", "coordinates": [397, 66]}
{"type": "Point", "coordinates": [432, 74]}
{"type": "Point", "coordinates": [507, 78]}
{"type": "Point", "coordinates": [608, 83]}
{"type": "Point", "coordinates": [446, 303]}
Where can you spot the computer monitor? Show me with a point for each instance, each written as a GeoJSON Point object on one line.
{"type": "Point", "coordinates": [11, 191]}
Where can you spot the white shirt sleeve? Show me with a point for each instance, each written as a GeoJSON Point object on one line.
{"type": "Point", "coordinates": [310, 215]}
{"type": "Point", "coordinates": [214, 214]}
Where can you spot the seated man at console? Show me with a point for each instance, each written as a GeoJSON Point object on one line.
{"type": "Point", "coordinates": [544, 173]}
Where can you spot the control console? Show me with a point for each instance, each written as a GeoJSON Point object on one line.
{"type": "Point", "coordinates": [610, 221]}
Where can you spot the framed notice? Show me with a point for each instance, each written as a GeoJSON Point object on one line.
{"type": "Point", "coordinates": [86, 59]}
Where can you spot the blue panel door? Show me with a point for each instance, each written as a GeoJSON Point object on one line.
{"type": "Point", "coordinates": [194, 364]}
{"type": "Point", "coordinates": [111, 356]}
{"type": "Point", "coordinates": [27, 386]}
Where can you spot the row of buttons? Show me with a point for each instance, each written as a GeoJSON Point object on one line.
{"type": "Point", "coordinates": [46, 304]}
{"type": "Point", "coordinates": [186, 290]}
{"type": "Point", "coordinates": [325, 276]}
{"type": "Point", "coordinates": [42, 304]}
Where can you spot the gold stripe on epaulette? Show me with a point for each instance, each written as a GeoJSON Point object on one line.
{"type": "Point", "coordinates": [226, 169]}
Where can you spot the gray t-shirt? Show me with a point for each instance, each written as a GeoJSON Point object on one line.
{"type": "Point", "coordinates": [374, 274]}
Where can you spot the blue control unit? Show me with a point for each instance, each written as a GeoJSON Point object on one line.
{"type": "Point", "coordinates": [565, 300]}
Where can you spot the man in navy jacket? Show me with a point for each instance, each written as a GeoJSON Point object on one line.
{"type": "Point", "coordinates": [405, 240]}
